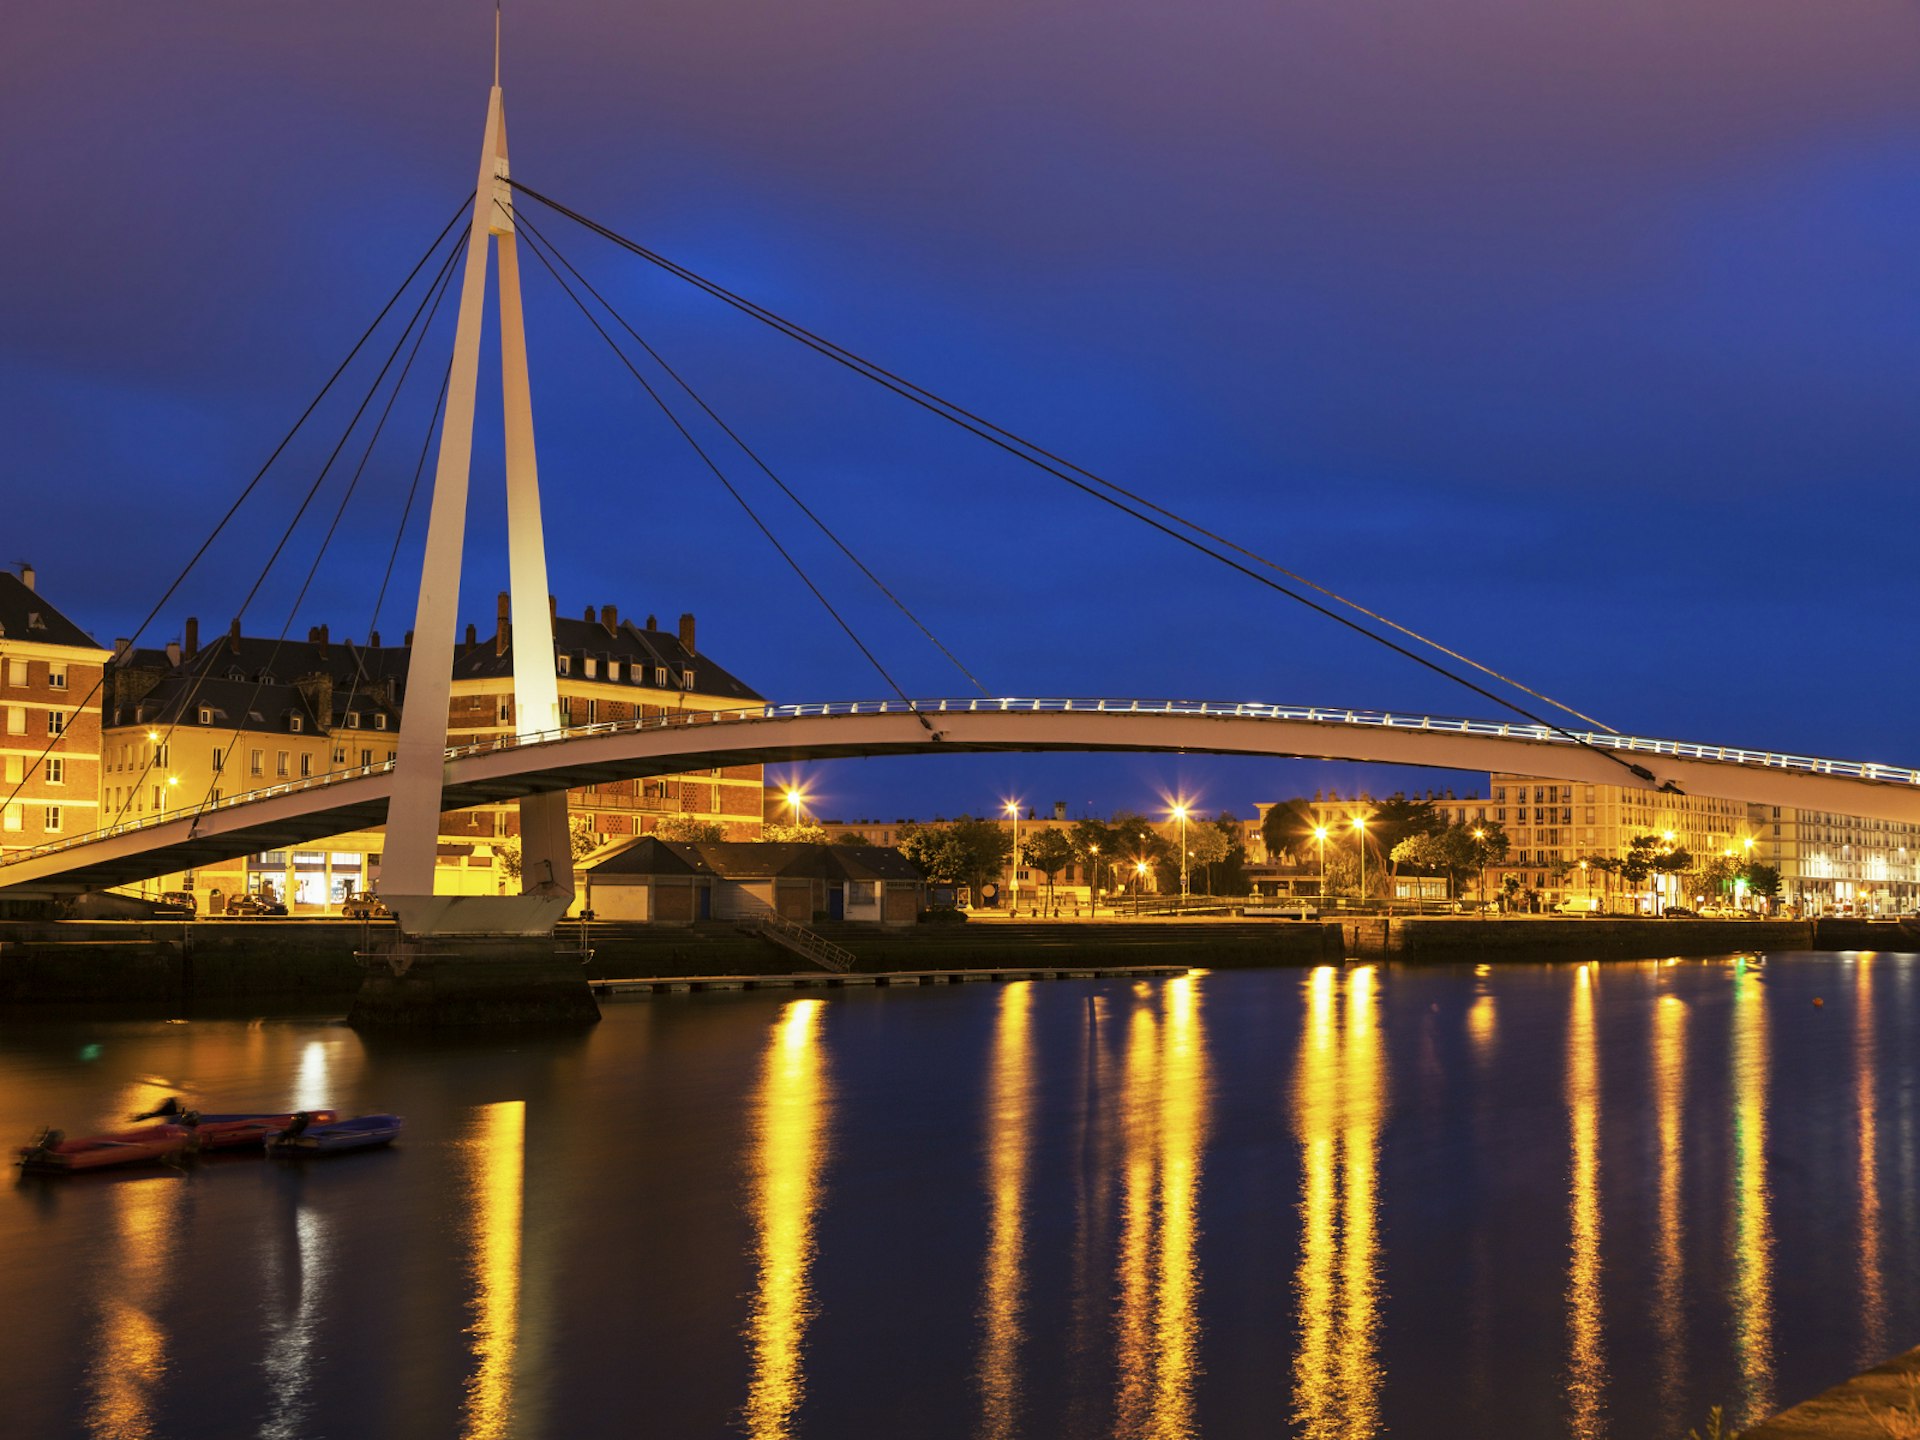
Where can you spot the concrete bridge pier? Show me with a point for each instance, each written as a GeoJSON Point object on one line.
{"type": "Point", "coordinates": [462, 982]}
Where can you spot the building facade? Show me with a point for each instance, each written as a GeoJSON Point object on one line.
{"type": "Point", "coordinates": [190, 725]}
{"type": "Point", "coordinates": [50, 680]}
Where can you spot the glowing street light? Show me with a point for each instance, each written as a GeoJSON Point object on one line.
{"type": "Point", "coordinates": [795, 799]}
{"type": "Point", "coordinates": [1320, 835]}
{"type": "Point", "coordinates": [1093, 881]}
{"type": "Point", "coordinates": [1360, 831]}
{"type": "Point", "coordinates": [1180, 814]}
{"type": "Point", "coordinates": [1013, 809]}
{"type": "Point", "coordinates": [1480, 849]}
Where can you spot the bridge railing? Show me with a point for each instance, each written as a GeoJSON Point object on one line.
{"type": "Point", "coordinates": [1211, 709]}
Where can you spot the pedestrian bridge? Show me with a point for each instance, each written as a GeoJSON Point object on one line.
{"type": "Point", "coordinates": [509, 767]}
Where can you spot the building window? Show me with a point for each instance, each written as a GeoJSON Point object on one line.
{"type": "Point", "coordinates": [686, 678]}
{"type": "Point", "coordinates": [280, 764]}
{"type": "Point", "coordinates": [660, 676]}
{"type": "Point", "coordinates": [506, 710]}
{"type": "Point", "coordinates": [339, 755]}
{"type": "Point", "coordinates": [613, 669]}
{"type": "Point", "coordinates": [593, 711]}
{"type": "Point", "coordinates": [353, 719]}
{"type": "Point", "coordinates": [160, 756]}
{"type": "Point", "coordinates": [256, 762]}
{"type": "Point", "coordinates": [219, 759]}
{"type": "Point", "coordinates": [589, 667]}
{"type": "Point", "coordinates": [53, 819]}
{"type": "Point", "coordinates": [566, 664]}
{"type": "Point", "coordinates": [17, 677]}
{"type": "Point", "coordinates": [56, 770]}
{"type": "Point", "coordinates": [57, 676]}
{"type": "Point", "coordinates": [379, 722]}
{"type": "Point", "coordinates": [206, 715]}
{"type": "Point", "coordinates": [56, 721]}
{"type": "Point", "coordinates": [366, 757]}
{"type": "Point", "coordinates": [11, 820]}
{"type": "Point", "coordinates": [16, 719]}
{"type": "Point", "coordinates": [216, 796]}
{"type": "Point", "coordinates": [295, 724]}
{"type": "Point", "coordinates": [306, 766]}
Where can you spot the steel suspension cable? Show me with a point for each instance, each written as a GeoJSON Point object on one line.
{"type": "Point", "coordinates": [1012, 445]}
{"type": "Point", "coordinates": [436, 293]}
{"type": "Point", "coordinates": [534, 233]}
{"type": "Point", "coordinates": [29, 771]}
{"type": "Point", "coordinates": [721, 476]}
{"type": "Point", "coordinates": [201, 675]}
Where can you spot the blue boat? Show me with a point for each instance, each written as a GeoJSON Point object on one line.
{"type": "Point", "coordinates": [306, 1137]}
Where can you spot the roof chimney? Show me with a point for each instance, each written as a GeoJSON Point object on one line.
{"type": "Point", "coordinates": [553, 608]}
{"type": "Point", "coordinates": [173, 652]}
{"type": "Point", "coordinates": [653, 622]}
{"type": "Point", "coordinates": [610, 618]}
{"type": "Point", "coordinates": [408, 642]}
{"type": "Point", "coordinates": [502, 623]}
{"type": "Point", "coordinates": [473, 634]}
{"type": "Point", "coordinates": [322, 633]}
{"type": "Point", "coordinates": [233, 634]}
{"type": "Point", "coordinates": [686, 633]}
{"type": "Point", "coordinates": [26, 574]}
{"type": "Point", "coordinates": [373, 639]}
{"type": "Point", "coordinates": [192, 646]}
{"type": "Point", "coordinates": [589, 615]}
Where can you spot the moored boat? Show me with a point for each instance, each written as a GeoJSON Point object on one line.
{"type": "Point", "coordinates": [53, 1151]}
{"type": "Point", "coordinates": [307, 1135]}
{"type": "Point", "coordinates": [236, 1131]}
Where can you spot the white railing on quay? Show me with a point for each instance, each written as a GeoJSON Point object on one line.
{"type": "Point", "coordinates": [1212, 709]}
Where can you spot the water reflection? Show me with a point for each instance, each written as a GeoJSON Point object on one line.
{"type": "Point", "coordinates": [495, 1165]}
{"type": "Point", "coordinates": [130, 1354]}
{"type": "Point", "coordinates": [1669, 1102]}
{"type": "Point", "coordinates": [1587, 1361]}
{"type": "Point", "coordinates": [1009, 1137]}
{"type": "Point", "coordinates": [290, 1359]}
{"type": "Point", "coordinates": [1752, 1233]}
{"type": "Point", "coordinates": [1873, 1290]}
{"type": "Point", "coordinates": [792, 1110]}
{"type": "Point", "coordinates": [1157, 1326]}
{"type": "Point", "coordinates": [1339, 1106]}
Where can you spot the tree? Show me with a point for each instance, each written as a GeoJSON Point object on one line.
{"type": "Point", "coordinates": [966, 852]}
{"type": "Point", "coordinates": [689, 830]}
{"type": "Point", "coordinates": [1648, 855]}
{"type": "Point", "coordinates": [1096, 845]}
{"type": "Point", "coordinates": [1423, 851]}
{"type": "Point", "coordinates": [1231, 876]}
{"type": "Point", "coordinates": [794, 834]}
{"type": "Point", "coordinates": [1287, 829]}
{"type": "Point", "coordinates": [1396, 817]}
{"type": "Point", "coordinates": [1763, 880]}
{"type": "Point", "coordinates": [1047, 851]}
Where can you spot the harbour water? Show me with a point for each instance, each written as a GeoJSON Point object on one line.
{"type": "Point", "coordinates": [1344, 1201]}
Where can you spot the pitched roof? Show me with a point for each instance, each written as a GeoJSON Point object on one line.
{"type": "Point", "coordinates": [26, 615]}
{"type": "Point", "coordinates": [639, 651]}
{"type": "Point", "coordinates": [753, 860]}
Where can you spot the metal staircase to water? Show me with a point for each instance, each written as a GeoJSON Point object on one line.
{"type": "Point", "coordinates": [791, 935]}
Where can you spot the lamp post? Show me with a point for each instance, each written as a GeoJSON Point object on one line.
{"type": "Point", "coordinates": [1013, 906]}
{"type": "Point", "coordinates": [1093, 882]}
{"type": "Point", "coordinates": [1139, 880]}
{"type": "Point", "coordinates": [1320, 837]}
{"type": "Point", "coordinates": [1360, 830]}
{"type": "Point", "coordinates": [794, 799]}
{"type": "Point", "coordinates": [1586, 885]}
{"type": "Point", "coordinates": [1180, 814]}
{"type": "Point", "coordinates": [1480, 854]}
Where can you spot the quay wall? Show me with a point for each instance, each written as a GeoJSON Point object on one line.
{"type": "Point", "coordinates": [299, 963]}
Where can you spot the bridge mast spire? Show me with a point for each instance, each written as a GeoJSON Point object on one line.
{"type": "Point", "coordinates": [413, 816]}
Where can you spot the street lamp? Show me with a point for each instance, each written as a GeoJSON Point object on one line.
{"type": "Point", "coordinates": [1480, 852]}
{"type": "Point", "coordinates": [1320, 836]}
{"type": "Point", "coordinates": [1360, 829]}
{"type": "Point", "coordinates": [1013, 904]}
{"type": "Point", "coordinates": [1093, 882]}
{"type": "Point", "coordinates": [1180, 814]}
{"type": "Point", "coordinates": [794, 798]}
{"type": "Point", "coordinates": [1139, 882]}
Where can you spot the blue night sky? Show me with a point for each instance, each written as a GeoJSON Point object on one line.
{"type": "Point", "coordinates": [1580, 336]}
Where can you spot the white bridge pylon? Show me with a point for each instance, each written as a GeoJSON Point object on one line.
{"type": "Point", "coordinates": [520, 767]}
{"type": "Point", "coordinates": [416, 800]}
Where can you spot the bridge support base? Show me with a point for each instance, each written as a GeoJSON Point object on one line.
{"type": "Point", "coordinates": [472, 981]}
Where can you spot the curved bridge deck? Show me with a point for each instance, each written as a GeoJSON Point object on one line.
{"type": "Point", "coordinates": [509, 767]}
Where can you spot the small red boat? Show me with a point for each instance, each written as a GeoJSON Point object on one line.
{"type": "Point", "coordinates": [228, 1132]}
{"type": "Point", "coordinates": [53, 1151]}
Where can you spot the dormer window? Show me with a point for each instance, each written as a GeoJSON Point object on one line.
{"type": "Point", "coordinates": [239, 675]}
{"type": "Point", "coordinates": [295, 723]}
{"type": "Point", "coordinates": [613, 669]}
{"type": "Point", "coordinates": [660, 676]}
{"type": "Point", "coordinates": [353, 719]}
{"type": "Point", "coordinates": [379, 722]}
{"type": "Point", "coordinates": [686, 679]}
{"type": "Point", "coordinates": [590, 667]}
{"type": "Point", "coordinates": [566, 664]}
{"type": "Point", "coordinates": [206, 715]}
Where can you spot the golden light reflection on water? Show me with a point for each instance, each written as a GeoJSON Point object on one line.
{"type": "Point", "coordinates": [290, 1361]}
{"type": "Point", "coordinates": [494, 1155]}
{"type": "Point", "coordinates": [1481, 1024]}
{"type": "Point", "coordinates": [130, 1354]}
{"type": "Point", "coordinates": [1339, 1105]}
{"type": "Point", "coordinates": [1873, 1289]}
{"type": "Point", "coordinates": [1752, 1232]}
{"type": "Point", "coordinates": [1009, 1138]}
{"type": "Point", "coordinates": [1587, 1361]}
{"type": "Point", "coordinates": [791, 1114]}
{"type": "Point", "coordinates": [1157, 1326]}
{"type": "Point", "coordinates": [1669, 1099]}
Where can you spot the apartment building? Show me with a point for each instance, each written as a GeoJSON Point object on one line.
{"type": "Point", "coordinates": [50, 672]}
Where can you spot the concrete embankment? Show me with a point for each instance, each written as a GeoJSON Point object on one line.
{"type": "Point", "coordinates": [312, 963]}
{"type": "Point", "coordinates": [1882, 1402]}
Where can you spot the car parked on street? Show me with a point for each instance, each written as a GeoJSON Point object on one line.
{"type": "Point", "coordinates": [176, 905]}
{"type": "Point", "coordinates": [364, 905]}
